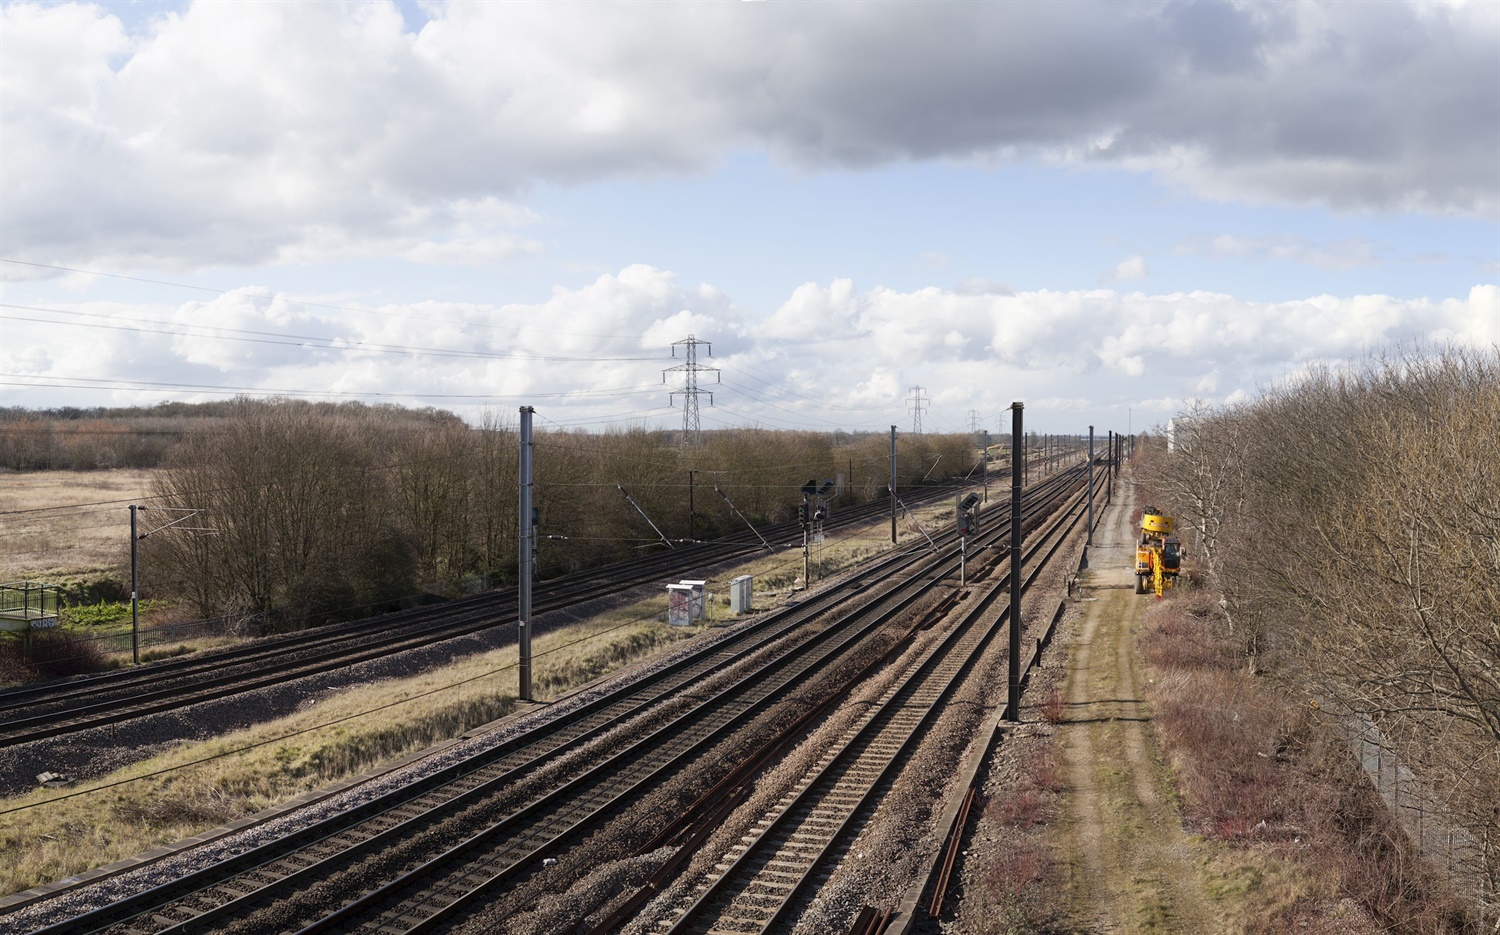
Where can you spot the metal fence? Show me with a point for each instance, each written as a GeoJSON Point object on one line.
{"type": "Point", "coordinates": [1453, 850]}
{"type": "Point", "coordinates": [28, 604]}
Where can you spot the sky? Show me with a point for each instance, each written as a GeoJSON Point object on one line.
{"type": "Point", "coordinates": [1104, 210]}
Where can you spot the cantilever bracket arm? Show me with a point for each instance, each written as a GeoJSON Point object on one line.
{"type": "Point", "coordinates": [735, 510]}
{"type": "Point", "coordinates": [644, 516]}
{"type": "Point", "coordinates": [188, 512]}
{"type": "Point", "coordinates": [914, 519]}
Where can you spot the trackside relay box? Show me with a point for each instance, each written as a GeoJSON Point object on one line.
{"type": "Point", "coordinates": [741, 592]}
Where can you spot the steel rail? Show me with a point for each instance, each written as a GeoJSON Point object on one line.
{"type": "Point", "coordinates": [637, 570]}
{"type": "Point", "coordinates": [476, 884]}
{"type": "Point", "coordinates": [411, 902]}
{"type": "Point", "coordinates": [421, 909]}
{"type": "Point", "coordinates": [809, 823]}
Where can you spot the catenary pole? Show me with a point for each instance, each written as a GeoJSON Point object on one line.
{"type": "Point", "coordinates": [986, 473]}
{"type": "Point", "coordinates": [1088, 538]}
{"type": "Point", "coordinates": [528, 558]}
{"type": "Point", "coordinates": [1013, 701]}
{"type": "Point", "coordinates": [893, 485]}
{"type": "Point", "coordinates": [135, 589]}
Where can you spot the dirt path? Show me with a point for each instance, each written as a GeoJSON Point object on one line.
{"type": "Point", "coordinates": [1131, 867]}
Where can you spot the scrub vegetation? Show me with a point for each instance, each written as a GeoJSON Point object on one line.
{"type": "Point", "coordinates": [320, 510]}
{"type": "Point", "coordinates": [1346, 529]}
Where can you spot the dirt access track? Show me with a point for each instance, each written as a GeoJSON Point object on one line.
{"type": "Point", "coordinates": [1130, 866]}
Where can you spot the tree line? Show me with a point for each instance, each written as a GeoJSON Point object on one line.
{"type": "Point", "coordinates": [1350, 522]}
{"type": "Point", "coordinates": [103, 437]}
{"type": "Point", "coordinates": [316, 511]}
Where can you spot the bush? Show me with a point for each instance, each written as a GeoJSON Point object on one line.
{"type": "Point", "coordinates": [13, 668]}
{"type": "Point", "coordinates": [56, 654]}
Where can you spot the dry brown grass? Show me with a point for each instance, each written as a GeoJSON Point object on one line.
{"type": "Point", "coordinates": [62, 542]}
{"type": "Point", "coordinates": [1299, 825]}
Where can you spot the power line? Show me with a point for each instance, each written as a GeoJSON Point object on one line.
{"type": "Point", "coordinates": [93, 383]}
{"type": "Point", "coordinates": [270, 337]}
{"type": "Point", "coordinates": [773, 386]}
{"type": "Point", "coordinates": [242, 293]}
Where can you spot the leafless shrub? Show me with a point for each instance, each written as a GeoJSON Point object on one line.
{"type": "Point", "coordinates": [318, 510]}
{"type": "Point", "coordinates": [1052, 706]}
{"type": "Point", "coordinates": [57, 654]}
{"type": "Point", "coordinates": [13, 668]}
{"type": "Point", "coordinates": [1349, 522]}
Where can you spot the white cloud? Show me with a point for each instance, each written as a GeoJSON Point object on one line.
{"type": "Point", "coordinates": [832, 355]}
{"type": "Point", "coordinates": [244, 133]}
{"type": "Point", "coordinates": [472, 251]}
{"type": "Point", "coordinates": [1130, 268]}
{"type": "Point", "coordinates": [1351, 253]}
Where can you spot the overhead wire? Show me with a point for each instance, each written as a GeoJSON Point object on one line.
{"type": "Point", "coordinates": [772, 393]}
{"type": "Point", "coordinates": [771, 383]}
{"type": "Point", "coordinates": [157, 386]}
{"type": "Point", "coordinates": [337, 308]}
{"type": "Point", "coordinates": [291, 340]}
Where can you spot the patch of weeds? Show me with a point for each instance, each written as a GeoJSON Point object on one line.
{"type": "Point", "coordinates": [166, 810]}
{"type": "Point", "coordinates": [1303, 842]}
{"type": "Point", "coordinates": [166, 652]}
{"type": "Point", "coordinates": [1052, 706]}
{"type": "Point", "coordinates": [1018, 881]}
{"type": "Point", "coordinates": [1017, 893]}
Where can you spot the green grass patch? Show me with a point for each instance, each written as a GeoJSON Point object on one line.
{"type": "Point", "coordinates": [103, 615]}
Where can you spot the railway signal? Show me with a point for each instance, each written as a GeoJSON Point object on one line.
{"type": "Point", "coordinates": [966, 516]}
{"type": "Point", "coordinates": [811, 514]}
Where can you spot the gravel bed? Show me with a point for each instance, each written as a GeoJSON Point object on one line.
{"type": "Point", "coordinates": [626, 833]}
{"type": "Point", "coordinates": [73, 901]}
{"type": "Point", "coordinates": [894, 850]}
{"type": "Point", "coordinates": [779, 780]}
{"type": "Point", "coordinates": [968, 908]}
{"type": "Point", "coordinates": [770, 788]}
{"type": "Point", "coordinates": [588, 881]}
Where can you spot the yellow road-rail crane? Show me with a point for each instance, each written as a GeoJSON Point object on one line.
{"type": "Point", "coordinates": [1159, 556]}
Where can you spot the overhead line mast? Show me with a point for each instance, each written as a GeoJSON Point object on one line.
{"type": "Point", "coordinates": [690, 369]}
{"type": "Point", "coordinates": [916, 402]}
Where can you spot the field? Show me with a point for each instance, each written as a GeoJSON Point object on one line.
{"type": "Point", "coordinates": [68, 544]}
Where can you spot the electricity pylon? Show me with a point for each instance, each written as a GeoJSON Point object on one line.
{"type": "Point", "coordinates": [690, 369]}
{"type": "Point", "coordinates": [916, 402]}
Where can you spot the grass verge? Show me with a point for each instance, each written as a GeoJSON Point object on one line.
{"type": "Point", "coordinates": [1302, 842]}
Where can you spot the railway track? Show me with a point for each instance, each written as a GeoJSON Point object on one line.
{"type": "Point", "coordinates": [761, 882]}
{"type": "Point", "coordinates": [532, 794]}
{"type": "Point", "coordinates": [31, 713]}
